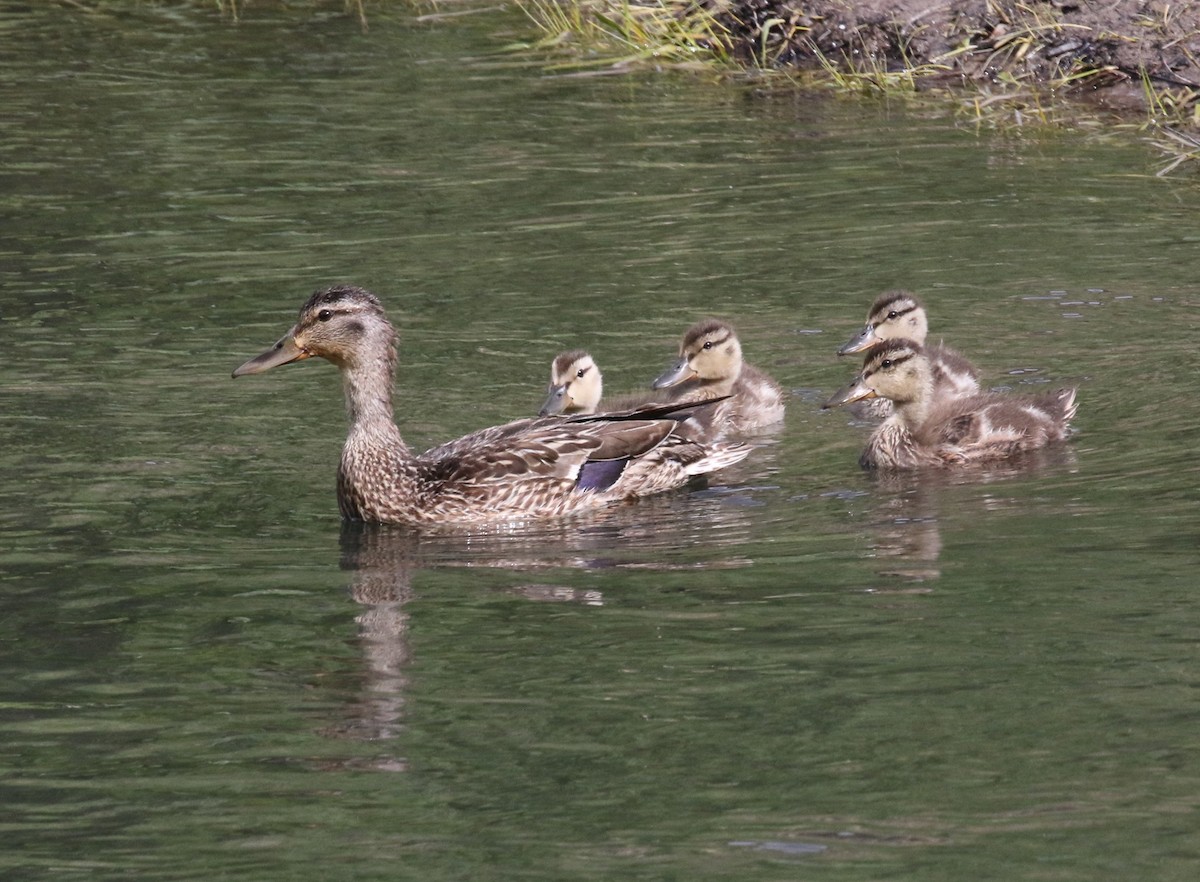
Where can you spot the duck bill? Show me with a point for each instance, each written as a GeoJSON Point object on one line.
{"type": "Point", "coordinates": [556, 401]}
{"type": "Point", "coordinates": [674, 375]}
{"type": "Point", "coordinates": [855, 391]}
{"type": "Point", "coordinates": [283, 352]}
{"type": "Point", "coordinates": [864, 339]}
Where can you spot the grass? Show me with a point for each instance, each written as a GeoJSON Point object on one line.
{"type": "Point", "coordinates": [676, 33]}
{"type": "Point", "coordinates": [1172, 112]}
{"type": "Point", "coordinates": [871, 75]}
{"type": "Point", "coordinates": [233, 9]}
{"type": "Point", "coordinates": [1014, 72]}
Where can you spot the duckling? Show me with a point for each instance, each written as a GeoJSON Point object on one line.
{"type": "Point", "coordinates": [928, 430]}
{"type": "Point", "coordinates": [710, 365]}
{"type": "Point", "coordinates": [899, 314]}
{"type": "Point", "coordinates": [576, 387]}
{"type": "Point", "coordinates": [531, 468]}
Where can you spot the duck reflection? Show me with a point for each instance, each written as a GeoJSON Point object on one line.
{"type": "Point", "coordinates": [906, 537]}
{"type": "Point", "coordinates": [907, 509]}
{"type": "Point", "coordinates": [384, 562]}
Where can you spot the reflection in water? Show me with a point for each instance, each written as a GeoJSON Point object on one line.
{"type": "Point", "coordinates": [384, 560]}
{"type": "Point", "coordinates": [907, 539]}
{"type": "Point", "coordinates": [382, 583]}
{"type": "Point", "coordinates": [905, 521]}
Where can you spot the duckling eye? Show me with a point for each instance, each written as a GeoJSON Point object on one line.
{"type": "Point", "coordinates": [886, 363]}
{"type": "Point", "coordinates": [893, 314]}
{"type": "Point", "coordinates": [324, 315]}
{"type": "Point", "coordinates": [579, 373]}
{"type": "Point", "coordinates": [708, 344]}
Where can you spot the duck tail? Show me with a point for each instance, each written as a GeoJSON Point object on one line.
{"type": "Point", "coordinates": [718, 456]}
{"type": "Point", "coordinates": [1068, 404]}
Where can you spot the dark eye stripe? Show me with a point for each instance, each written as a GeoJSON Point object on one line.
{"type": "Point", "coordinates": [898, 313]}
{"type": "Point", "coordinates": [893, 361]}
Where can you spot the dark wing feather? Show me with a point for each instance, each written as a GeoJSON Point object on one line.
{"type": "Point", "coordinates": [602, 474]}
{"type": "Point", "coordinates": [622, 440]}
{"type": "Point", "coordinates": [550, 447]}
{"type": "Point", "coordinates": [677, 411]}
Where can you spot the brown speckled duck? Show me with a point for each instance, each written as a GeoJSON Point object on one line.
{"type": "Point", "coordinates": [899, 314]}
{"type": "Point", "coordinates": [931, 430]}
{"type": "Point", "coordinates": [577, 387]}
{"type": "Point", "coordinates": [710, 365]}
{"type": "Point", "coordinates": [531, 468]}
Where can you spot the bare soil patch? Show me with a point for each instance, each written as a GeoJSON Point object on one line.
{"type": "Point", "coordinates": [1114, 47]}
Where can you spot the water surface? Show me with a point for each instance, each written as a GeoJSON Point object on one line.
{"type": "Point", "coordinates": [799, 671]}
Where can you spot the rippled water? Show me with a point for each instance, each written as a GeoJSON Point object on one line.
{"type": "Point", "coordinates": [800, 671]}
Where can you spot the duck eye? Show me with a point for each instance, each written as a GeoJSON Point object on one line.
{"type": "Point", "coordinates": [324, 315]}
{"type": "Point", "coordinates": [893, 314]}
{"type": "Point", "coordinates": [580, 372]}
{"type": "Point", "coordinates": [708, 344]}
{"type": "Point", "coordinates": [886, 363]}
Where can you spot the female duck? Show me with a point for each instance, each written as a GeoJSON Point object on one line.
{"type": "Point", "coordinates": [927, 430]}
{"type": "Point", "coordinates": [576, 387]}
{"type": "Point", "coordinates": [710, 365]}
{"type": "Point", "coordinates": [899, 314]}
{"type": "Point", "coordinates": [530, 468]}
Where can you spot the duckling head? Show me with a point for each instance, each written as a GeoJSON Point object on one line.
{"type": "Point", "coordinates": [894, 369]}
{"type": "Point", "coordinates": [575, 384]}
{"type": "Point", "coordinates": [344, 324]}
{"type": "Point", "coordinates": [894, 314]}
{"type": "Point", "coordinates": [710, 352]}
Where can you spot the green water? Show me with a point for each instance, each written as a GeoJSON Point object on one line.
{"type": "Point", "coordinates": [802, 672]}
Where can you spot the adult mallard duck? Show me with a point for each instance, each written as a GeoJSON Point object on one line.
{"type": "Point", "coordinates": [928, 430]}
{"type": "Point", "coordinates": [899, 314]}
{"type": "Point", "coordinates": [710, 365]}
{"type": "Point", "coordinates": [577, 387]}
{"type": "Point", "coordinates": [531, 468]}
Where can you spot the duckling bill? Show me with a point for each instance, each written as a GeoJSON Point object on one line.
{"type": "Point", "coordinates": [531, 468]}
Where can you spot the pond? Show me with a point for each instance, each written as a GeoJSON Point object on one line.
{"type": "Point", "coordinates": [799, 671]}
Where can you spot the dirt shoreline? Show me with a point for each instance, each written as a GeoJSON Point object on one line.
{"type": "Point", "coordinates": [1111, 49]}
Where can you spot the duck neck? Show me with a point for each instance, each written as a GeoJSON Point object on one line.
{"type": "Point", "coordinates": [913, 410]}
{"type": "Point", "coordinates": [368, 385]}
{"type": "Point", "coordinates": [707, 387]}
{"type": "Point", "coordinates": [720, 386]}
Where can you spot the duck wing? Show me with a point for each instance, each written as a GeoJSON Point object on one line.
{"type": "Point", "coordinates": [987, 426]}
{"type": "Point", "coordinates": [589, 452]}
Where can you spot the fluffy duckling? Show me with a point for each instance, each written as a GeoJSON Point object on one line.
{"type": "Point", "coordinates": [899, 314]}
{"type": "Point", "coordinates": [531, 468]}
{"type": "Point", "coordinates": [931, 430]}
{"type": "Point", "coordinates": [576, 387]}
{"type": "Point", "coordinates": [710, 365]}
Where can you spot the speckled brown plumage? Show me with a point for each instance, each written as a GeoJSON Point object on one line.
{"type": "Point", "coordinates": [532, 468]}
{"type": "Point", "coordinates": [927, 430]}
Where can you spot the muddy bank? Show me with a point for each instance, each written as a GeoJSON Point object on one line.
{"type": "Point", "coordinates": [1109, 48]}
